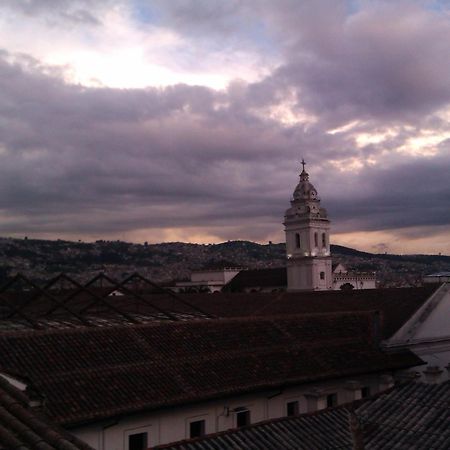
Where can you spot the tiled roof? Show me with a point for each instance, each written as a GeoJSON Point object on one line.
{"type": "Point", "coordinates": [395, 305]}
{"type": "Point", "coordinates": [25, 428]}
{"type": "Point", "coordinates": [266, 278]}
{"type": "Point", "coordinates": [89, 306]}
{"type": "Point", "coordinates": [317, 431]}
{"type": "Point", "coordinates": [415, 416]}
{"type": "Point", "coordinates": [89, 373]}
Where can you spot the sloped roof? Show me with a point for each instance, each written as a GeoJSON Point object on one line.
{"type": "Point", "coordinates": [416, 416]}
{"type": "Point", "coordinates": [413, 416]}
{"type": "Point", "coordinates": [396, 305]}
{"type": "Point", "coordinates": [265, 278]}
{"type": "Point", "coordinates": [89, 373]}
{"type": "Point", "coordinates": [86, 306]}
{"type": "Point", "coordinates": [315, 431]}
{"type": "Point", "coordinates": [26, 428]}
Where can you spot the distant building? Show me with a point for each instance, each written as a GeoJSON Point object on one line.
{"type": "Point", "coordinates": [343, 279]}
{"type": "Point", "coordinates": [275, 280]}
{"type": "Point", "coordinates": [439, 277]}
{"type": "Point", "coordinates": [207, 280]}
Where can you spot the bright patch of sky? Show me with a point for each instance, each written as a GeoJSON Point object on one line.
{"type": "Point", "coordinates": [134, 47]}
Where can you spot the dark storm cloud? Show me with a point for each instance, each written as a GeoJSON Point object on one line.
{"type": "Point", "coordinates": [169, 150]}
{"type": "Point", "coordinates": [84, 160]}
{"type": "Point", "coordinates": [105, 159]}
{"type": "Point", "coordinates": [413, 193]}
{"type": "Point", "coordinates": [388, 61]}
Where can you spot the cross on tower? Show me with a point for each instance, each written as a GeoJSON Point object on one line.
{"type": "Point", "coordinates": [303, 164]}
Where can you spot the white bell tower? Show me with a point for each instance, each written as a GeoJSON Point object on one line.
{"type": "Point", "coordinates": [307, 230]}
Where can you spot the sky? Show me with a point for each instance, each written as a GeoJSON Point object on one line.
{"type": "Point", "coordinates": [186, 120]}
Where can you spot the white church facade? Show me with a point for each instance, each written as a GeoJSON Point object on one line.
{"type": "Point", "coordinates": [309, 263]}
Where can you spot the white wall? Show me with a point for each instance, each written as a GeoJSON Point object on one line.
{"type": "Point", "coordinates": [427, 334]}
{"type": "Point", "coordinates": [172, 424]}
{"type": "Point", "coordinates": [358, 281]}
{"type": "Point", "coordinates": [223, 275]}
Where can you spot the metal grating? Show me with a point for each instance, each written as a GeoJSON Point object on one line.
{"type": "Point", "coordinates": [63, 302]}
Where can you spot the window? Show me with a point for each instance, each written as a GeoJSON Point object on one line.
{"type": "Point", "coordinates": [322, 275]}
{"type": "Point", "coordinates": [242, 418]}
{"type": "Point", "coordinates": [324, 240]}
{"type": "Point", "coordinates": [137, 441]}
{"type": "Point", "coordinates": [292, 408]}
{"type": "Point", "coordinates": [365, 391]}
{"type": "Point", "coordinates": [297, 240]}
{"type": "Point", "coordinates": [331, 400]}
{"type": "Point", "coordinates": [197, 428]}
{"type": "Point", "coordinates": [316, 239]}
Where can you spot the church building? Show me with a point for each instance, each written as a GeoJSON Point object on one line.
{"type": "Point", "coordinates": [308, 264]}
{"type": "Point", "coordinates": [307, 230]}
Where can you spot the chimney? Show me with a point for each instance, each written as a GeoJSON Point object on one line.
{"type": "Point", "coordinates": [432, 374]}
{"type": "Point", "coordinates": [356, 432]}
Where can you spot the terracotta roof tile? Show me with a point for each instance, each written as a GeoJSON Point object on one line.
{"type": "Point", "coordinates": [26, 428]}
{"type": "Point", "coordinates": [90, 373]}
{"type": "Point", "coordinates": [395, 305]}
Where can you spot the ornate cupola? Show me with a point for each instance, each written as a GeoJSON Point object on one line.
{"type": "Point", "coordinates": [307, 230]}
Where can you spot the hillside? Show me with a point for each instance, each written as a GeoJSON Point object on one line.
{"type": "Point", "coordinates": [42, 259]}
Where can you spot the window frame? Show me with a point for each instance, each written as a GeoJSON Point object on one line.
{"type": "Point", "coordinates": [332, 399]}
{"type": "Point", "coordinates": [245, 412]}
{"type": "Point", "coordinates": [296, 404]}
{"type": "Point", "coordinates": [132, 433]}
{"type": "Point", "coordinates": [365, 391]}
{"type": "Point", "coordinates": [148, 429]}
{"type": "Point", "coordinates": [298, 241]}
{"type": "Point", "coordinates": [197, 420]}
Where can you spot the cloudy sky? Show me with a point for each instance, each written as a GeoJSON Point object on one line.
{"type": "Point", "coordinates": [163, 120]}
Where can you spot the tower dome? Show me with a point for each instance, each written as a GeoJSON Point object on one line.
{"type": "Point", "coordinates": [305, 190]}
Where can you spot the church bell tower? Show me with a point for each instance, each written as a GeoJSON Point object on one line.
{"type": "Point", "coordinates": [307, 230]}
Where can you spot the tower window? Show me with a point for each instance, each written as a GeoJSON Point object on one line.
{"type": "Point", "coordinates": [297, 240]}
{"type": "Point", "coordinates": [316, 244]}
{"type": "Point", "coordinates": [322, 275]}
{"type": "Point", "coordinates": [324, 240]}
